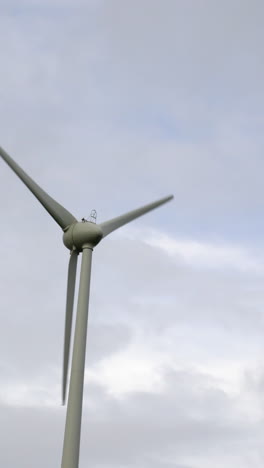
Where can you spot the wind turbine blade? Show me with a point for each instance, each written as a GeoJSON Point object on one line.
{"type": "Point", "coordinates": [116, 223]}
{"type": "Point", "coordinates": [71, 444]}
{"type": "Point", "coordinates": [68, 319]}
{"type": "Point", "coordinates": [63, 217]}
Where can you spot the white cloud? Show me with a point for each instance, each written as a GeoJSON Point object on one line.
{"type": "Point", "coordinates": [201, 254]}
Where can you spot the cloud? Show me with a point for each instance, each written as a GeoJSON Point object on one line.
{"type": "Point", "coordinates": [189, 417]}
{"type": "Point", "coordinates": [201, 255]}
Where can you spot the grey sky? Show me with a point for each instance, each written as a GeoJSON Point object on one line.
{"type": "Point", "coordinates": [110, 105]}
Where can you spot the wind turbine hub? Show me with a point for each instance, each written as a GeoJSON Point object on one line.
{"type": "Point", "coordinates": [78, 235]}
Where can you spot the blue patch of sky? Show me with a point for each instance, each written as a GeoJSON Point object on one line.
{"type": "Point", "coordinates": [163, 125]}
{"type": "Point", "coordinates": [231, 226]}
{"type": "Point", "coordinates": [55, 11]}
{"type": "Point", "coordinates": [25, 11]}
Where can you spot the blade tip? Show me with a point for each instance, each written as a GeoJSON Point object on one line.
{"type": "Point", "coordinates": [169, 198]}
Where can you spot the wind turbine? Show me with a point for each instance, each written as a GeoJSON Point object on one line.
{"type": "Point", "coordinates": [78, 237]}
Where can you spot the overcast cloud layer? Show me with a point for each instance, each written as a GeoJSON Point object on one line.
{"type": "Point", "coordinates": [111, 105]}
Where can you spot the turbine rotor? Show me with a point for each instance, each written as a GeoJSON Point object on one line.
{"type": "Point", "coordinates": [81, 234]}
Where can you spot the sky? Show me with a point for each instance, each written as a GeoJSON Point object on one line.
{"type": "Point", "coordinates": [109, 105]}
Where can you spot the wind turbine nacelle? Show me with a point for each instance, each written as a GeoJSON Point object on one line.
{"type": "Point", "coordinates": [78, 235]}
